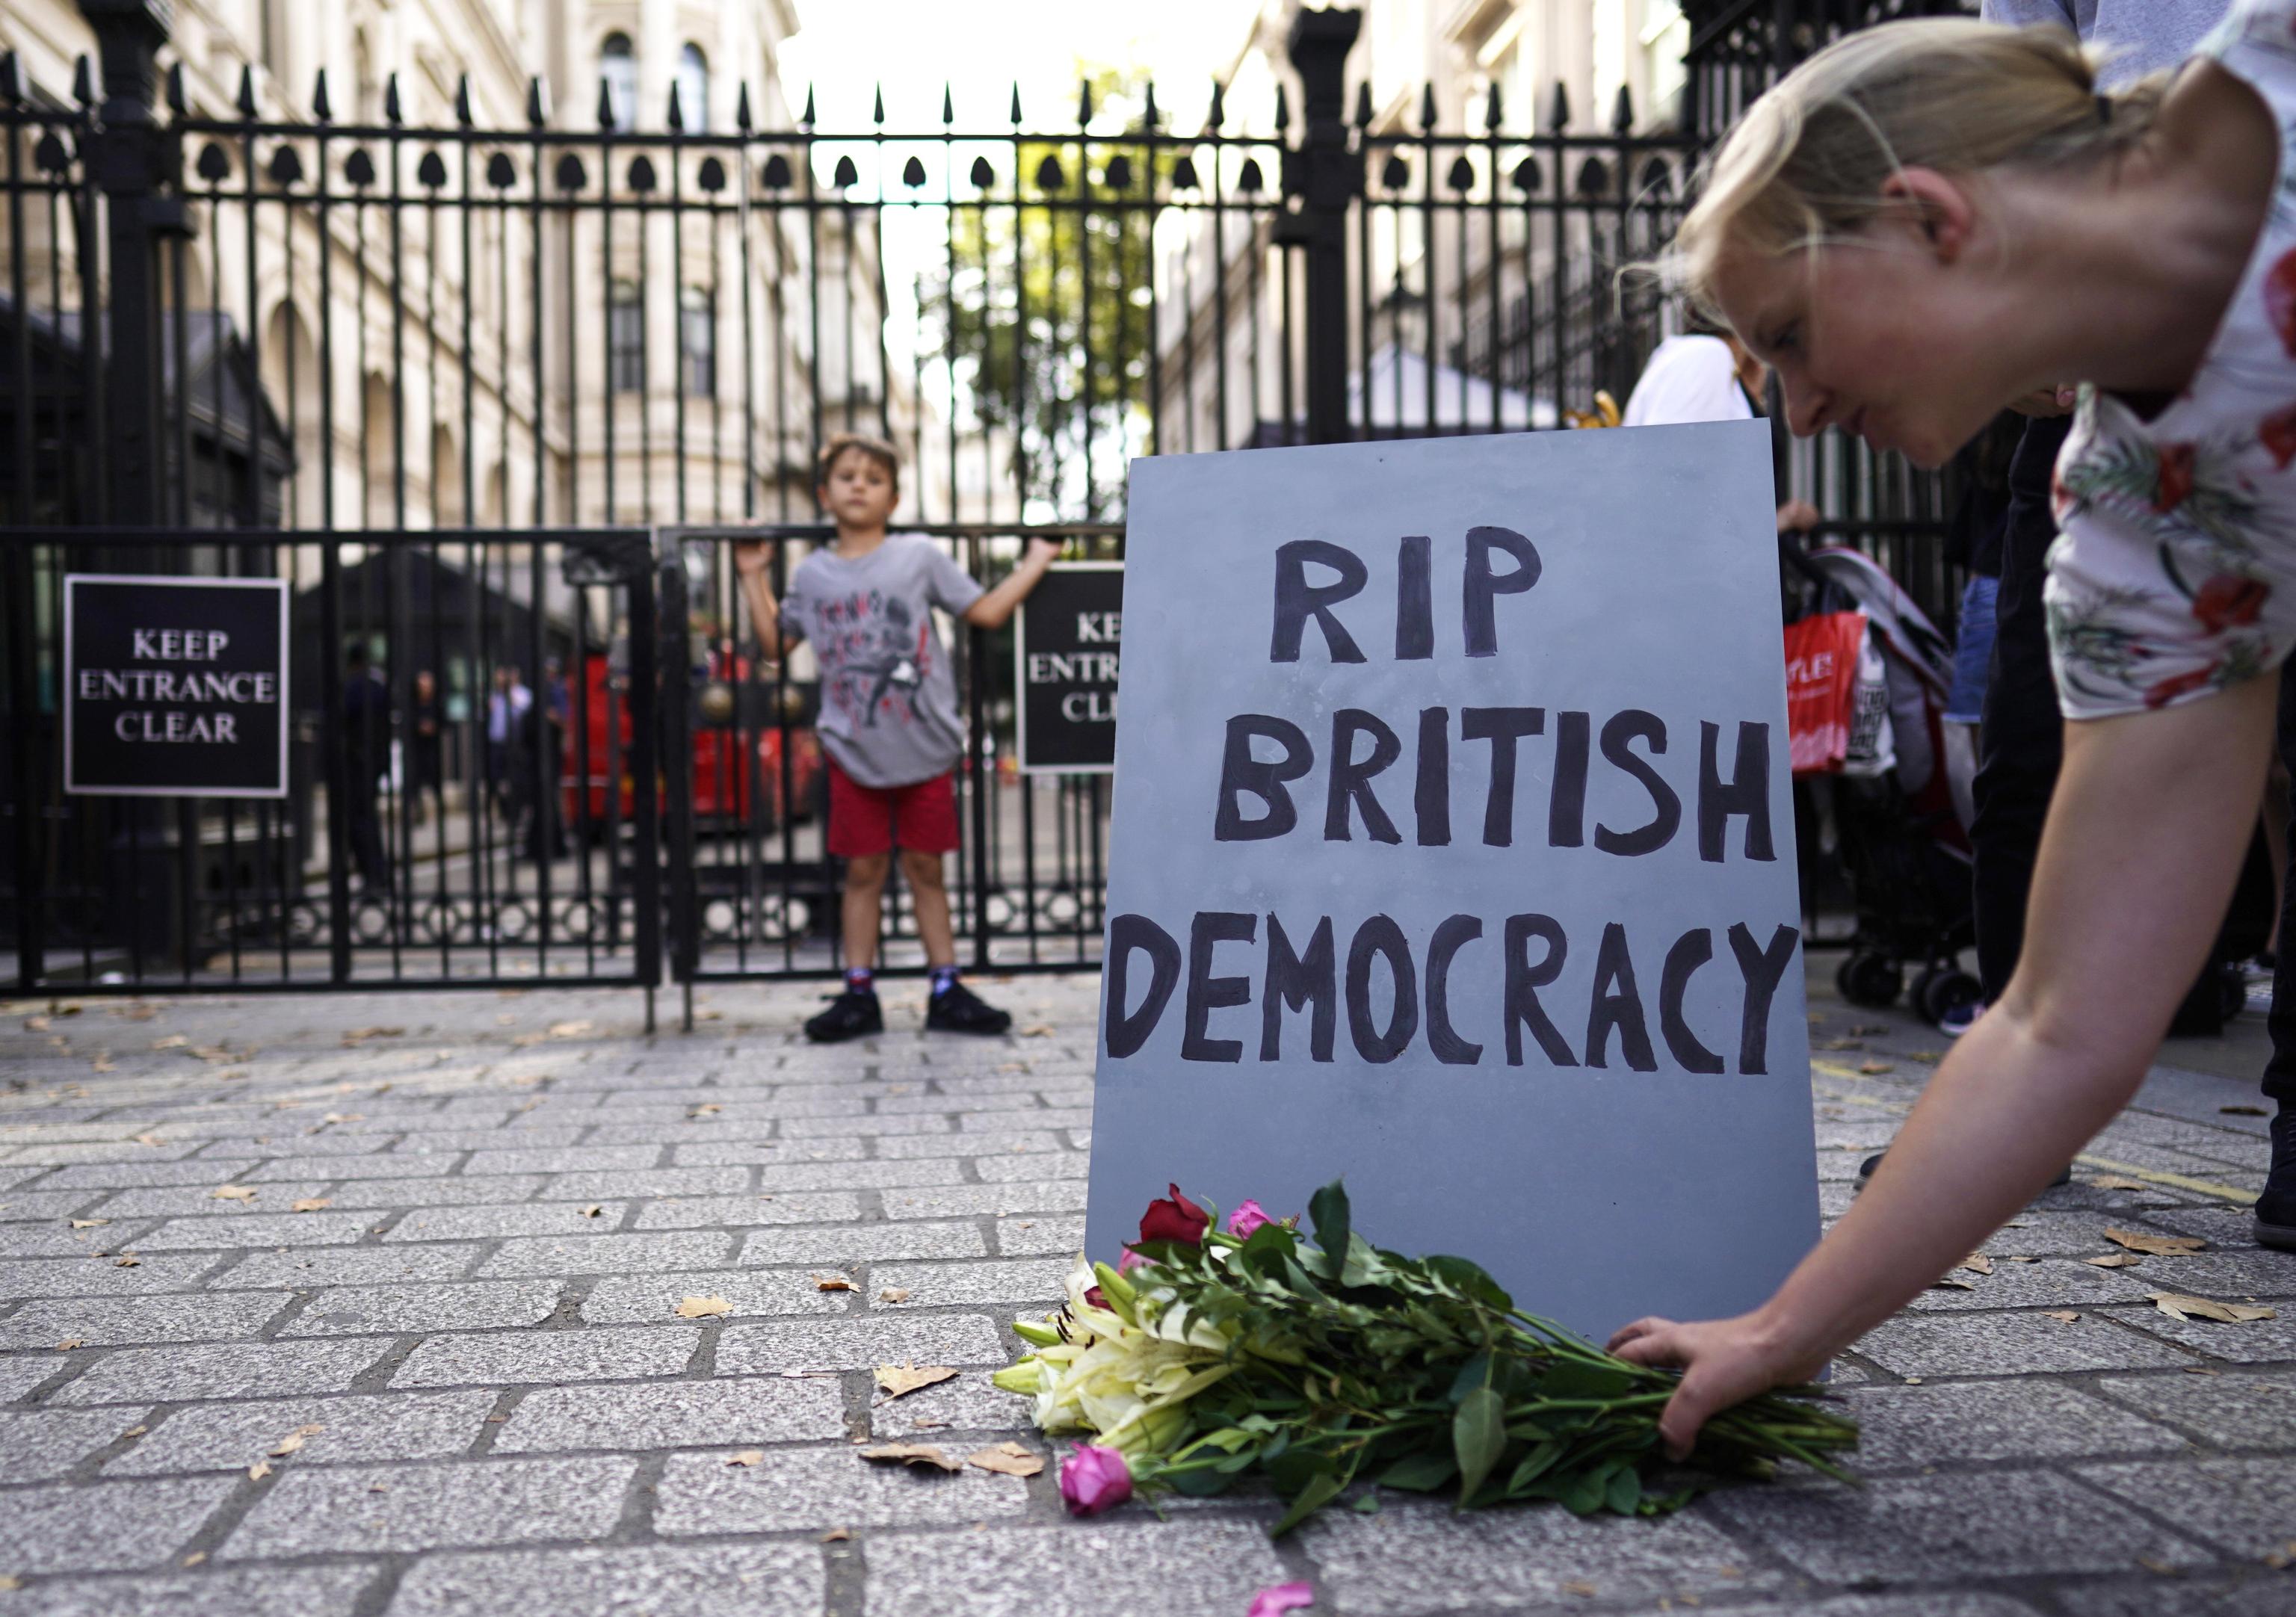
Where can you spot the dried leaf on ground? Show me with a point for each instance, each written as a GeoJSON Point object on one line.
{"type": "Point", "coordinates": [2063, 1316]}
{"type": "Point", "coordinates": [703, 1308]}
{"type": "Point", "coordinates": [2179, 1307]}
{"type": "Point", "coordinates": [594, 1212]}
{"type": "Point", "coordinates": [2158, 1245]}
{"type": "Point", "coordinates": [294, 1440]}
{"type": "Point", "coordinates": [310, 1203]}
{"type": "Point", "coordinates": [135, 1432]}
{"type": "Point", "coordinates": [171, 1041]}
{"type": "Point", "coordinates": [360, 1035]}
{"type": "Point", "coordinates": [233, 1193]}
{"type": "Point", "coordinates": [1864, 1029]}
{"type": "Point", "coordinates": [1578, 1585]}
{"type": "Point", "coordinates": [747, 1457]}
{"type": "Point", "coordinates": [259, 1471]}
{"type": "Point", "coordinates": [134, 1013]}
{"type": "Point", "coordinates": [2244, 1111]}
{"type": "Point", "coordinates": [103, 1063]}
{"type": "Point", "coordinates": [1947, 1283]}
{"type": "Point", "coordinates": [2117, 1181]}
{"type": "Point", "coordinates": [1041, 1031]}
{"type": "Point", "coordinates": [1007, 1459]}
{"type": "Point", "coordinates": [150, 1139]}
{"type": "Point", "coordinates": [894, 1293]}
{"type": "Point", "coordinates": [196, 1558]}
{"type": "Point", "coordinates": [88, 1223]}
{"type": "Point", "coordinates": [1977, 1263]}
{"type": "Point", "coordinates": [708, 1108]}
{"type": "Point", "coordinates": [910, 1454]}
{"type": "Point", "coordinates": [128, 1262]}
{"type": "Point", "coordinates": [344, 1117]}
{"type": "Point", "coordinates": [70, 1342]}
{"type": "Point", "coordinates": [37, 1024]}
{"type": "Point", "coordinates": [898, 1380]}
{"type": "Point", "coordinates": [569, 1030]}
{"type": "Point", "coordinates": [2114, 1260]}
{"type": "Point", "coordinates": [9, 1581]}
{"type": "Point", "coordinates": [2018, 1257]}
{"type": "Point", "coordinates": [1874, 1069]}
{"type": "Point", "coordinates": [832, 1283]}
{"type": "Point", "coordinates": [836, 1535]}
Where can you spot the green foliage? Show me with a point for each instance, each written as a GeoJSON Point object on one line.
{"type": "Point", "coordinates": [1420, 1375]}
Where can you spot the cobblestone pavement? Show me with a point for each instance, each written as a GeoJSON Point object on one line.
{"type": "Point", "coordinates": [353, 1305]}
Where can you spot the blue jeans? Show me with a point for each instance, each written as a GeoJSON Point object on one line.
{"type": "Point", "coordinates": [1972, 657]}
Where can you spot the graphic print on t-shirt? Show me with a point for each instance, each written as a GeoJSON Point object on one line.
{"type": "Point", "coordinates": [876, 653]}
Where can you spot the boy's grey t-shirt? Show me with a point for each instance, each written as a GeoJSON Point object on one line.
{"type": "Point", "coordinates": [888, 698]}
{"type": "Point", "coordinates": [2142, 36]}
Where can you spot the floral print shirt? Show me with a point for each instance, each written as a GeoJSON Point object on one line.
{"type": "Point", "coordinates": [2175, 574]}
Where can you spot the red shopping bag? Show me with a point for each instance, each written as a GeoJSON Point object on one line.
{"type": "Point", "coordinates": [1821, 688]}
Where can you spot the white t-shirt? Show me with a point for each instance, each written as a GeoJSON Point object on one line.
{"type": "Point", "coordinates": [1689, 378]}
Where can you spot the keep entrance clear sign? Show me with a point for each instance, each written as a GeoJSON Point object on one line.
{"type": "Point", "coordinates": [1453, 853]}
{"type": "Point", "coordinates": [174, 686]}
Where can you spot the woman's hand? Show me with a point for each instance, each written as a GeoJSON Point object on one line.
{"type": "Point", "coordinates": [749, 559]}
{"type": "Point", "coordinates": [1797, 517]}
{"type": "Point", "coordinates": [1722, 1362]}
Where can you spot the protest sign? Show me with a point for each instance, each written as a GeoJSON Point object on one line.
{"type": "Point", "coordinates": [174, 686]}
{"type": "Point", "coordinates": [1453, 853]}
{"type": "Point", "coordinates": [1070, 635]}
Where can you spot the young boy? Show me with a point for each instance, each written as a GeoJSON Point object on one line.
{"type": "Point", "coordinates": [889, 719]}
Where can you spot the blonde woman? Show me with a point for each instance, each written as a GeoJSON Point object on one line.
{"type": "Point", "coordinates": [1922, 224]}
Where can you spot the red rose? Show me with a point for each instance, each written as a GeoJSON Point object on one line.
{"type": "Point", "coordinates": [2168, 689]}
{"type": "Point", "coordinates": [2176, 477]}
{"type": "Point", "coordinates": [2228, 600]}
{"type": "Point", "coordinates": [2277, 434]}
{"type": "Point", "coordinates": [2280, 299]}
{"type": "Point", "coordinates": [1176, 1219]}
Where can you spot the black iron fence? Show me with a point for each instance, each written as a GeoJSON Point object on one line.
{"type": "Point", "coordinates": [414, 368]}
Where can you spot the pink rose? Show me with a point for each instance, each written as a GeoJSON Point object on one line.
{"type": "Point", "coordinates": [1279, 1598]}
{"type": "Point", "coordinates": [1246, 1219]}
{"type": "Point", "coordinates": [1129, 1262]}
{"type": "Point", "coordinates": [1094, 1479]}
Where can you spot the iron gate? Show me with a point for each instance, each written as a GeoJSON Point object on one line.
{"type": "Point", "coordinates": [419, 364]}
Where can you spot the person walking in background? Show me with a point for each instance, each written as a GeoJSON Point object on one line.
{"type": "Point", "coordinates": [426, 753]}
{"type": "Point", "coordinates": [889, 718]}
{"type": "Point", "coordinates": [366, 757]}
{"type": "Point", "coordinates": [506, 709]}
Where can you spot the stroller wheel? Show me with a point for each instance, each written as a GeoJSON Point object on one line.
{"type": "Point", "coordinates": [1871, 980]}
{"type": "Point", "coordinates": [1940, 990]}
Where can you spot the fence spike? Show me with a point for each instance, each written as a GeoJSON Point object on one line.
{"type": "Point", "coordinates": [1427, 109]}
{"type": "Point", "coordinates": [83, 82]}
{"type": "Point", "coordinates": [538, 101]}
{"type": "Point", "coordinates": [11, 78]}
{"type": "Point", "coordinates": [741, 108]}
{"type": "Point", "coordinates": [1558, 109]}
{"type": "Point", "coordinates": [245, 100]}
{"type": "Point", "coordinates": [877, 112]}
{"type": "Point", "coordinates": [321, 107]}
{"type": "Point", "coordinates": [1218, 113]}
{"type": "Point", "coordinates": [605, 104]}
{"type": "Point", "coordinates": [1148, 114]}
{"type": "Point", "coordinates": [1282, 108]}
{"type": "Point", "coordinates": [806, 117]}
{"type": "Point", "coordinates": [177, 103]}
{"type": "Point", "coordinates": [1016, 103]}
{"type": "Point", "coordinates": [1363, 104]}
{"type": "Point", "coordinates": [676, 119]}
{"type": "Point", "coordinates": [1622, 113]}
{"type": "Point", "coordinates": [948, 104]}
{"type": "Point", "coordinates": [1493, 110]}
{"type": "Point", "coordinates": [391, 110]}
{"type": "Point", "coordinates": [1084, 103]}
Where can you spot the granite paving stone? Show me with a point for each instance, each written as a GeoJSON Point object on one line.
{"type": "Point", "coordinates": [858, 1344]}
{"type": "Point", "coordinates": [59, 1240]}
{"type": "Point", "coordinates": [2232, 1409]}
{"type": "Point", "coordinates": [395, 1165]}
{"type": "Point", "coordinates": [793, 1208]}
{"type": "Point", "coordinates": [2245, 1507]}
{"type": "Point", "coordinates": [818, 1488]}
{"type": "Point", "coordinates": [40, 1445]}
{"type": "Point", "coordinates": [362, 1509]}
{"type": "Point", "coordinates": [304, 1591]}
{"type": "Point", "coordinates": [20, 1373]}
{"type": "Point", "coordinates": [538, 1358]}
{"type": "Point", "coordinates": [1020, 1281]}
{"type": "Point", "coordinates": [629, 1299]}
{"type": "Point", "coordinates": [196, 1370]}
{"type": "Point", "coordinates": [233, 1437]}
{"type": "Point", "coordinates": [90, 1276]}
{"type": "Point", "coordinates": [484, 1222]}
{"type": "Point", "coordinates": [156, 1171]}
{"type": "Point", "coordinates": [570, 1159]}
{"type": "Point", "coordinates": [107, 1526]}
{"type": "Point", "coordinates": [2253, 1591]}
{"type": "Point", "coordinates": [859, 1176]}
{"type": "Point", "coordinates": [22, 1207]}
{"type": "Point", "coordinates": [425, 1194]}
{"type": "Point", "coordinates": [959, 1201]}
{"type": "Point", "coordinates": [2010, 1344]}
{"type": "Point", "coordinates": [864, 1243]}
{"type": "Point", "coordinates": [2252, 1341]}
{"type": "Point", "coordinates": [648, 1183]}
{"type": "Point", "coordinates": [260, 1230]}
{"type": "Point", "coordinates": [1081, 1570]}
{"type": "Point", "coordinates": [1061, 1236]}
{"type": "Point", "coordinates": [1035, 1165]}
{"type": "Point", "coordinates": [2044, 1283]}
{"type": "Point", "coordinates": [1905, 1529]}
{"type": "Point", "coordinates": [600, 1254]}
{"type": "Point", "coordinates": [406, 1310]}
{"type": "Point", "coordinates": [725, 1580]}
{"type": "Point", "coordinates": [675, 1415]}
{"type": "Point", "coordinates": [168, 1317]}
{"type": "Point", "coordinates": [739, 1153]}
{"type": "Point", "coordinates": [307, 1266]}
{"type": "Point", "coordinates": [1954, 1422]}
{"type": "Point", "coordinates": [968, 1403]}
{"type": "Point", "coordinates": [198, 1201]}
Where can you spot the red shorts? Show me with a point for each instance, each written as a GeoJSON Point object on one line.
{"type": "Point", "coordinates": [866, 820]}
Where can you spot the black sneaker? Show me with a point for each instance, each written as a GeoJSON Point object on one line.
{"type": "Point", "coordinates": [957, 1010]}
{"type": "Point", "coordinates": [851, 1015]}
{"type": "Point", "coordinates": [2276, 1209]}
{"type": "Point", "coordinates": [1866, 1172]}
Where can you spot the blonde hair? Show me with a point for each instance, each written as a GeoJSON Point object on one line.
{"type": "Point", "coordinates": [1807, 163]}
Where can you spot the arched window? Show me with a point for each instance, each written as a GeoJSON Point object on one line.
{"type": "Point", "coordinates": [693, 88]}
{"type": "Point", "coordinates": [697, 342]}
{"type": "Point", "coordinates": [617, 66]}
{"type": "Point", "coordinates": [626, 337]}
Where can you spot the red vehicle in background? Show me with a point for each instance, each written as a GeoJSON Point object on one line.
{"type": "Point", "coordinates": [737, 776]}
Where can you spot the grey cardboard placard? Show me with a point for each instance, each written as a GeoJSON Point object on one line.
{"type": "Point", "coordinates": [1599, 608]}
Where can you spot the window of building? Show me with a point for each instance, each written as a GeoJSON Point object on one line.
{"type": "Point", "coordinates": [626, 337]}
{"type": "Point", "coordinates": [697, 342]}
{"type": "Point", "coordinates": [693, 88]}
{"type": "Point", "coordinates": [618, 65]}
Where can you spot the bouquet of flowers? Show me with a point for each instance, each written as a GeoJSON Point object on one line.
{"type": "Point", "coordinates": [1207, 1354]}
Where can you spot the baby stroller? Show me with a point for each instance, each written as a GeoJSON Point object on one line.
{"type": "Point", "coordinates": [1881, 787]}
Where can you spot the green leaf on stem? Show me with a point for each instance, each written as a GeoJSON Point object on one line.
{"type": "Point", "coordinates": [1421, 1473]}
{"type": "Point", "coordinates": [1320, 1492]}
{"type": "Point", "coordinates": [1478, 1437]}
{"type": "Point", "coordinates": [1327, 1210]}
